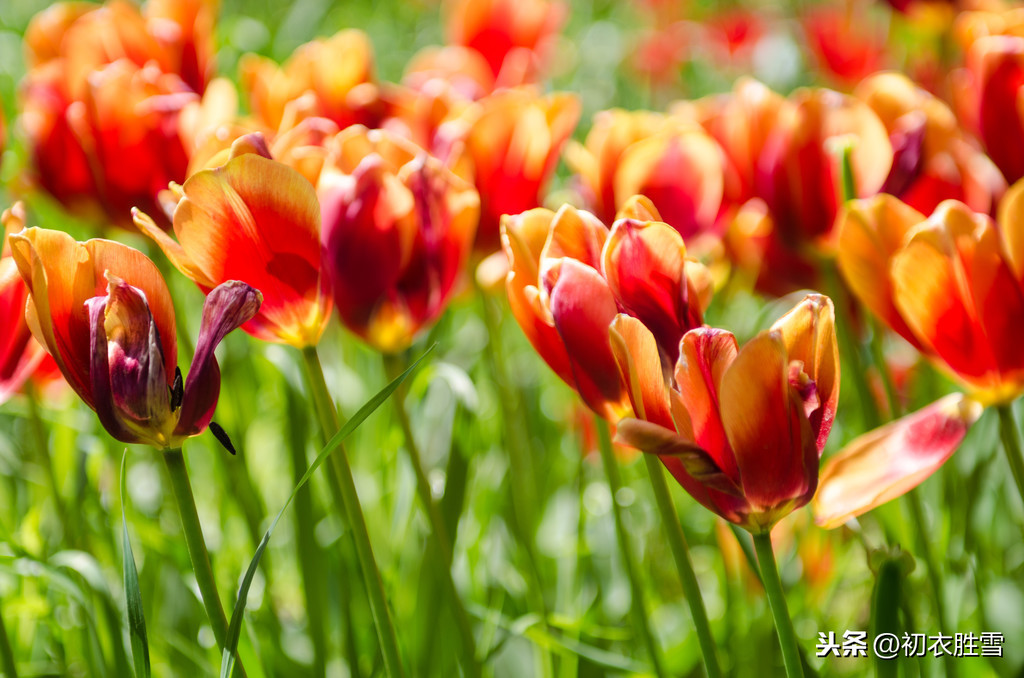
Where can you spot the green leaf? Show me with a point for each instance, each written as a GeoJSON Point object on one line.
{"type": "Point", "coordinates": [235, 627]}
{"type": "Point", "coordinates": [132, 595]}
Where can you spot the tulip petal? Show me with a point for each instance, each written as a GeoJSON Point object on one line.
{"type": "Point", "coordinates": [636, 354]}
{"type": "Point", "coordinates": [227, 307]}
{"type": "Point", "coordinates": [578, 235]}
{"type": "Point", "coordinates": [1011, 223]}
{"type": "Point", "coordinates": [583, 307]}
{"type": "Point", "coordinates": [645, 266]}
{"type": "Point", "coordinates": [892, 460]}
{"type": "Point", "coordinates": [871, 232]}
{"type": "Point", "coordinates": [101, 392]}
{"type": "Point", "coordinates": [258, 220]}
{"type": "Point", "coordinates": [765, 422]}
{"type": "Point", "coordinates": [705, 355]}
{"type": "Point", "coordinates": [808, 333]}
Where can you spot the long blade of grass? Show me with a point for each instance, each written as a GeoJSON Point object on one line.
{"type": "Point", "coordinates": [235, 626]}
{"type": "Point", "coordinates": [132, 595]}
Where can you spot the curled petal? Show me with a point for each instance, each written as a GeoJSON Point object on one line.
{"type": "Point", "coordinates": [101, 392]}
{"type": "Point", "coordinates": [227, 307]}
{"type": "Point", "coordinates": [892, 460]}
{"type": "Point", "coordinates": [639, 361]}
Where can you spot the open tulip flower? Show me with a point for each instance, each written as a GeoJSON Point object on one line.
{"type": "Point", "coordinates": [20, 354]}
{"type": "Point", "coordinates": [103, 312]}
{"type": "Point", "coordinates": [951, 284]}
{"type": "Point", "coordinates": [741, 429]}
{"type": "Point", "coordinates": [257, 220]}
{"type": "Point", "coordinates": [570, 275]}
{"type": "Point", "coordinates": [397, 231]}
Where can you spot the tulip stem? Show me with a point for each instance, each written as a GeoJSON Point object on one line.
{"type": "Point", "coordinates": [196, 543]}
{"type": "Point", "coordinates": [611, 469]}
{"type": "Point", "coordinates": [1011, 444]}
{"type": "Point", "coordinates": [328, 417]}
{"type": "Point", "coordinates": [777, 603]}
{"type": "Point", "coordinates": [681, 553]}
{"type": "Point", "coordinates": [441, 542]}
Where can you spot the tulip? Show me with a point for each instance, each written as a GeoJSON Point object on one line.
{"type": "Point", "coordinates": [103, 312]}
{"type": "Point", "coordinates": [569, 276]}
{"type": "Point", "coordinates": [846, 43]}
{"type": "Point", "coordinates": [397, 231]}
{"type": "Point", "coordinates": [949, 284]}
{"type": "Point", "coordinates": [257, 220]}
{"type": "Point", "coordinates": [20, 354]}
{"type": "Point", "coordinates": [510, 34]}
{"type": "Point", "coordinates": [673, 162]}
{"type": "Point", "coordinates": [741, 429]}
{"type": "Point", "coordinates": [933, 158]}
{"type": "Point", "coordinates": [337, 70]}
{"type": "Point", "coordinates": [987, 91]}
{"type": "Point", "coordinates": [514, 139]}
{"type": "Point", "coordinates": [110, 101]}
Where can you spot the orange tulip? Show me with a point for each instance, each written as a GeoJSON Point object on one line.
{"type": "Point", "coordinates": [104, 313]}
{"type": "Point", "coordinates": [510, 34]}
{"type": "Point", "coordinates": [255, 220]}
{"type": "Point", "coordinates": [338, 71]}
{"type": "Point", "coordinates": [741, 429]}
{"type": "Point", "coordinates": [951, 284]}
{"type": "Point", "coordinates": [514, 139]}
{"type": "Point", "coordinates": [397, 232]}
{"type": "Point", "coordinates": [20, 354]}
{"type": "Point", "coordinates": [569, 276]}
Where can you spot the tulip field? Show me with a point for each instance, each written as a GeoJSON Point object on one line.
{"type": "Point", "coordinates": [511, 338]}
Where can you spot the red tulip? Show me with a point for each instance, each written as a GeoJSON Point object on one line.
{"type": "Point", "coordinates": [104, 313]}
{"type": "Point", "coordinates": [397, 231]}
{"type": "Point", "coordinates": [569, 276]}
{"type": "Point", "coordinates": [255, 220]}
{"type": "Point", "coordinates": [741, 429]}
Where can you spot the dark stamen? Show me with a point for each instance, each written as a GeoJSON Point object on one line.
{"type": "Point", "coordinates": [222, 437]}
{"type": "Point", "coordinates": [177, 392]}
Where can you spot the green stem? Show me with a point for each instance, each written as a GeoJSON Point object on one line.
{"type": "Point", "coordinates": [681, 553]}
{"type": "Point", "coordinates": [611, 469]}
{"type": "Point", "coordinates": [196, 544]}
{"type": "Point", "coordinates": [6, 653]}
{"type": "Point", "coordinates": [878, 356]}
{"type": "Point", "coordinates": [521, 472]}
{"type": "Point", "coordinates": [924, 545]}
{"type": "Point", "coordinates": [442, 542]}
{"type": "Point", "coordinates": [1011, 444]}
{"type": "Point", "coordinates": [328, 416]}
{"type": "Point", "coordinates": [777, 603]}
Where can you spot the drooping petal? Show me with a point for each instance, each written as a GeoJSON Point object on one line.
{"type": "Point", "coordinates": [227, 307]}
{"type": "Point", "coordinates": [808, 333]}
{"type": "Point", "coordinates": [892, 460]}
